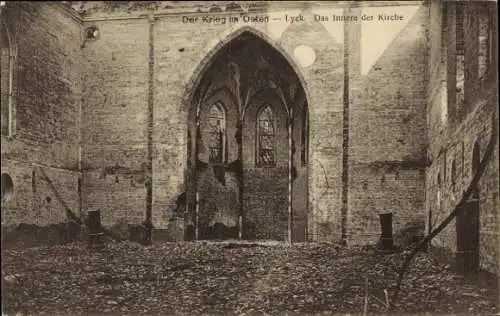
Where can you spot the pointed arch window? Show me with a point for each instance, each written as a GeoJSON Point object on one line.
{"type": "Point", "coordinates": [217, 132]}
{"type": "Point", "coordinates": [304, 141]}
{"type": "Point", "coordinates": [460, 57]}
{"type": "Point", "coordinates": [6, 67]}
{"type": "Point", "coordinates": [439, 191]}
{"type": "Point", "coordinates": [453, 176]}
{"type": "Point", "coordinates": [476, 157]}
{"type": "Point", "coordinates": [486, 44]}
{"type": "Point", "coordinates": [266, 136]}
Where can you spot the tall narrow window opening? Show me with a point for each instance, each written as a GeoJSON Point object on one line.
{"type": "Point", "coordinates": [5, 81]}
{"type": "Point", "coordinates": [444, 30]}
{"type": "Point", "coordinates": [453, 176]}
{"type": "Point", "coordinates": [303, 142]}
{"type": "Point", "coordinates": [460, 58]}
{"type": "Point", "coordinates": [476, 156]}
{"type": "Point", "coordinates": [439, 191]}
{"type": "Point", "coordinates": [266, 133]}
{"type": "Point", "coordinates": [445, 106]}
{"type": "Point", "coordinates": [217, 133]}
{"type": "Point", "coordinates": [484, 42]}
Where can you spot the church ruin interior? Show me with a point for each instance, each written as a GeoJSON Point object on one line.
{"type": "Point", "coordinates": [295, 132]}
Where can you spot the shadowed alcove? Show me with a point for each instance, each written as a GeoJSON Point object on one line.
{"type": "Point", "coordinates": [247, 146]}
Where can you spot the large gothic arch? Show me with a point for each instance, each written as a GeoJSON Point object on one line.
{"type": "Point", "coordinates": [244, 71]}
{"type": "Point", "coordinates": [211, 50]}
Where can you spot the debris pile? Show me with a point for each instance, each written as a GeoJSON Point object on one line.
{"type": "Point", "coordinates": [219, 278]}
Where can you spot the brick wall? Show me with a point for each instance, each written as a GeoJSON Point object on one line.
{"type": "Point", "coordinates": [218, 200]}
{"type": "Point", "coordinates": [181, 53]}
{"type": "Point", "coordinates": [41, 155]}
{"type": "Point", "coordinates": [323, 82]}
{"type": "Point", "coordinates": [265, 191]}
{"type": "Point", "coordinates": [265, 195]}
{"type": "Point", "coordinates": [387, 121]}
{"type": "Point", "coordinates": [115, 120]}
{"type": "Point", "coordinates": [366, 113]}
{"type": "Point", "coordinates": [453, 133]}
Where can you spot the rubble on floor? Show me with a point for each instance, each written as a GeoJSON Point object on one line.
{"type": "Point", "coordinates": [229, 277]}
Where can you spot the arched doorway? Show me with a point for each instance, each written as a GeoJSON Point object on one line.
{"type": "Point", "coordinates": [468, 226]}
{"type": "Point", "coordinates": [247, 148]}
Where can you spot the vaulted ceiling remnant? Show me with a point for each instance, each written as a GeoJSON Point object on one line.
{"type": "Point", "coordinates": [248, 66]}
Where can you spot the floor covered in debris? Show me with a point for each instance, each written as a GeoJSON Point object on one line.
{"type": "Point", "coordinates": [231, 278]}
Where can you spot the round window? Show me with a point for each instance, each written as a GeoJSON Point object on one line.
{"type": "Point", "coordinates": [305, 55]}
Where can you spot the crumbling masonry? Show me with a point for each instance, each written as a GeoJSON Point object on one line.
{"type": "Point", "coordinates": [303, 131]}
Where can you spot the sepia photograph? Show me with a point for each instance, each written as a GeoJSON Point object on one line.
{"type": "Point", "coordinates": [249, 158]}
